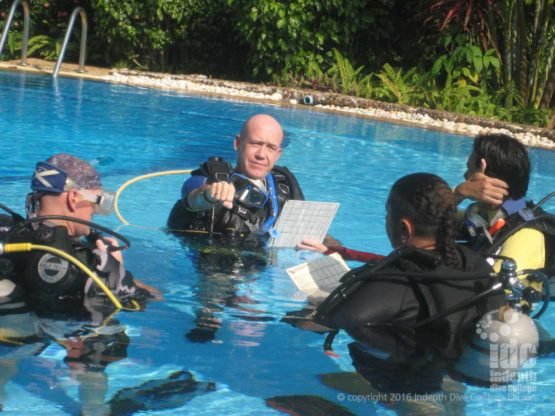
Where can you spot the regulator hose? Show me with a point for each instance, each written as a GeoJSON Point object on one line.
{"type": "Point", "coordinates": [21, 225]}
{"type": "Point", "coordinates": [26, 247]}
{"type": "Point", "coordinates": [140, 178]}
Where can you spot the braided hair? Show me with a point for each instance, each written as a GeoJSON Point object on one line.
{"type": "Point", "coordinates": [429, 203]}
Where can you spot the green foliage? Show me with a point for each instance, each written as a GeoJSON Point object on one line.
{"type": "Point", "coordinates": [288, 37]}
{"type": "Point", "coordinates": [13, 43]}
{"type": "Point", "coordinates": [166, 35]}
{"type": "Point", "coordinates": [141, 31]}
{"type": "Point", "coordinates": [522, 33]}
{"type": "Point", "coordinates": [466, 63]}
{"type": "Point", "coordinates": [346, 79]}
{"type": "Point", "coordinates": [398, 86]}
{"type": "Point", "coordinates": [46, 47]}
{"type": "Point", "coordinates": [464, 76]}
{"type": "Point", "coordinates": [48, 22]}
{"type": "Point", "coordinates": [491, 58]}
{"type": "Point", "coordinates": [455, 83]}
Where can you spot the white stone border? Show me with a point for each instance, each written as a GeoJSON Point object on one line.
{"type": "Point", "coordinates": [200, 84]}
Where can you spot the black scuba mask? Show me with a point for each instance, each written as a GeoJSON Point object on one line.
{"type": "Point", "coordinates": [247, 193]}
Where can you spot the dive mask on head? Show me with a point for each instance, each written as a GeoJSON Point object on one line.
{"type": "Point", "coordinates": [50, 179]}
{"type": "Point", "coordinates": [247, 193]}
{"type": "Point", "coordinates": [104, 201]}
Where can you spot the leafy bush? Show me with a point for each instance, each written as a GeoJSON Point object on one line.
{"type": "Point", "coordinates": [286, 37]}
{"type": "Point", "coordinates": [48, 22]}
{"type": "Point", "coordinates": [495, 58]}
{"type": "Point", "coordinates": [522, 33]}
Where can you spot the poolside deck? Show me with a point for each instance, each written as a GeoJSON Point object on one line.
{"type": "Point", "coordinates": [40, 66]}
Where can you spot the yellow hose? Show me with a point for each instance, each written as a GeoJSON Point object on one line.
{"type": "Point", "coordinates": [24, 247]}
{"type": "Point", "coordinates": [140, 178]}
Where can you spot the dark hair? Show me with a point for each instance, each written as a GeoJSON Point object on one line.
{"type": "Point", "coordinates": [429, 203]}
{"type": "Point", "coordinates": [506, 159]}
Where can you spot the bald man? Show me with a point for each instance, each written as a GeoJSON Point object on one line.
{"type": "Point", "coordinates": [244, 200]}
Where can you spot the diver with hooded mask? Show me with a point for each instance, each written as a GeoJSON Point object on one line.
{"type": "Point", "coordinates": [66, 193]}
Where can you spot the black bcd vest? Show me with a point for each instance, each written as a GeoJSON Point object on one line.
{"type": "Point", "coordinates": [531, 217]}
{"type": "Point", "coordinates": [222, 220]}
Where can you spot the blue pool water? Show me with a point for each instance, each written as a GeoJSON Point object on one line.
{"type": "Point", "coordinates": [128, 132]}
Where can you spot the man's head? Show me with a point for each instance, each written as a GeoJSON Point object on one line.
{"type": "Point", "coordinates": [506, 159]}
{"type": "Point", "coordinates": [258, 146]}
{"type": "Point", "coordinates": [67, 185]}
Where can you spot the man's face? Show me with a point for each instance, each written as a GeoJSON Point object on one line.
{"type": "Point", "coordinates": [85, 210]}
{"type": "Point", "coordinates": [472, 165]}
{"type": "Point", "coordinates": [258, 149]}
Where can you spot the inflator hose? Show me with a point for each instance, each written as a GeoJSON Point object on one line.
{"type": "Point", "coordinates": [26, 247]}
{"type": "Point", "coordinates": [19, 226]}
{"type": "Point", "coordinates": [140, 178]}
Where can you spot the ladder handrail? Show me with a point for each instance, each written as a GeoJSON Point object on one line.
{"type": "Point", "coordinates": [25, 6]}
{"type": "Point", "coordinates": [82, 48]}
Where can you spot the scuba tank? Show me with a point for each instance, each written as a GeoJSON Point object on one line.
{"type": "Point", "coordinates": [506, 339]}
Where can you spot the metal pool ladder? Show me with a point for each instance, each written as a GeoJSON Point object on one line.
{"type": "Point", "coordinates": [82, 48]}
{"type": "Point", "coordinates": [25, 6]}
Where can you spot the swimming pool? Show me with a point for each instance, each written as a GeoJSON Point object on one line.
{"type": "Point", "coordinates": [127, 132]}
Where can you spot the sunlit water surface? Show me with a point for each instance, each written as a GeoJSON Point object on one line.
{"type": "Point", "coordinates": [126, 132]}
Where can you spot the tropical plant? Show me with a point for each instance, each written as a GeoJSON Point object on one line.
{"type": "Point", "coordinates": [466, 64]}
{"type": "Point", "coordinates": [526, 44]}
{"type": "Point", "coordinates": [285, 38]}
{"type": "Point", "coordinates": [470, 15]}
{"type": "Point", "coordinates": [399, 86]}
{"type": "Point", "coordinates": [346, 79]}
{"type": "Point", "coordinates": [522, 32]}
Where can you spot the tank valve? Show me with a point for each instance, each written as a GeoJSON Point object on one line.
{"type": "Point", "coordinates": [510, 281]}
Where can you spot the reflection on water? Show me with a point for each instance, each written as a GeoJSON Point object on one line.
{"type": "Point", "coordinates": [221, 318]}
{"type": "Point", "coordinates": [222, 263]}
{"type": "Point", "coordinates": [412, 374]}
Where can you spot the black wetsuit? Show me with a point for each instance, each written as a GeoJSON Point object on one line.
{"type": "Point", "coordinates": [239, 220]}
{"type": "Point", "coordinates": [55, 285]}
{"type": "Point", "coordinates": [401, 301]}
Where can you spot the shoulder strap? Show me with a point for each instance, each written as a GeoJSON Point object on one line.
{"type": "Point", "coordinates": [14, 215]}
{"type": "Point", "coordinates": [351, 281]}
{"type": "Point", "coordinates": [537, 219]}
{"type": "Point", "coordinates": [215, 169]}
{"type": "Point", "coordinates": [287, 183]}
